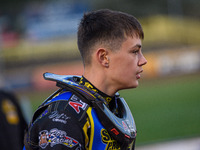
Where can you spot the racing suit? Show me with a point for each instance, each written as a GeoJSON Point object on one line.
{"type": "Point", "coordinates": [66, 122]}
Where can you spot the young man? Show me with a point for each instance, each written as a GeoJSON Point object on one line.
{"type": "Point", "coordinates": [86, 112]}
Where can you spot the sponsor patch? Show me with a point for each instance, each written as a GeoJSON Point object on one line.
{"type": "Point", "coordinates": [76, 104]}
{"type": "Point", "coordinates": [55, 137]}
{"type": "Point", "coordinates": [56, 117]}
{"type": "Point", "coordinates": [109, 141]}
{"type": "Point", "coordinates": [43, 139]}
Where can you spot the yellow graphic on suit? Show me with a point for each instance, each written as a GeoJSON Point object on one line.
{"type": "Point", "coordinates": [10, 111]}
{"type": "Point", "coordinates": [91, 122]}
{"type": "Point", "coordinates": [107, 142]}
{"type": "Point", "coordinates": [111, 143]}
{"type": "Point", "coordinates": [88, 85]}
{"type": "Point", "coordinates": [86, 127]}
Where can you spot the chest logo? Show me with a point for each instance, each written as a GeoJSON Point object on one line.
{"type": "Point", "coordinates": [109, 141]}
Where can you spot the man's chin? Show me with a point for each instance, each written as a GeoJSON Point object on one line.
{"type": "Point", "coordinates": [135, 85]}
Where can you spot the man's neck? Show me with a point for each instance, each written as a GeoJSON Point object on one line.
{"type": "Point", "coordinates": [100, 81]}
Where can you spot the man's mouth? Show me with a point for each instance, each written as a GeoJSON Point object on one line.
{"type": "Point", "coordinates": [138, 76]}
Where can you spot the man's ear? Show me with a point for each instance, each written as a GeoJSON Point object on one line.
{"type": "Point", "coordinates": [102, 57]}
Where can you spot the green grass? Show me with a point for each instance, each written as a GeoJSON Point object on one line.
{"type": "Point", "coordinates": [166, 109]}
{"type": "Point", "coordinates": [163, 109]}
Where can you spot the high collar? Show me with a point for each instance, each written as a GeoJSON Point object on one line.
{"type": "Point", "coordinates": [85, 82]}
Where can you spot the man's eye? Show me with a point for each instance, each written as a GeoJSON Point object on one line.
{"type": "Point", "coordinates": [136, 51]}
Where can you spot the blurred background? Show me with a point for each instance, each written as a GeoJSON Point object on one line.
{"type": "Point", "coordinates": [40, 36]}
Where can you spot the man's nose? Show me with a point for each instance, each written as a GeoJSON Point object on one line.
{"type": "Point", "coordinates": [142, 60]}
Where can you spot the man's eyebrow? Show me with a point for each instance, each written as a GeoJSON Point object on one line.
{"type": "Point", "coordinates": [137, 46]}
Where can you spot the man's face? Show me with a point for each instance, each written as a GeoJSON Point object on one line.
{"type": "Point", "coordinates": [126, 64]}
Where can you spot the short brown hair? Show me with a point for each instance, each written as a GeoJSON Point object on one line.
{"type": "Point", "coordinates": [105, 27]}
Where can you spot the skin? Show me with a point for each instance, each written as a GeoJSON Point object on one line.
{"type": "Point", "coordinates": [111, 71]}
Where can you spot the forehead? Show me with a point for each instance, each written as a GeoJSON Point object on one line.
{"type": "Point", "coordinates": [132, 42]}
